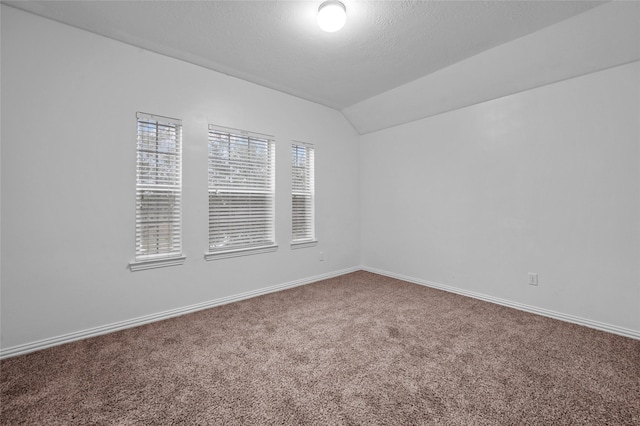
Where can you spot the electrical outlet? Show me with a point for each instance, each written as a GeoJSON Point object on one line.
{"type": "Point", "coordinates": [321, 256]}
{"type": "Point", "coordinates": [533, 278]}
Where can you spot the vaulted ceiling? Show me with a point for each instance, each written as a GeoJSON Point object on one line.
{"type": "Point", "coordinates": [277, 44]}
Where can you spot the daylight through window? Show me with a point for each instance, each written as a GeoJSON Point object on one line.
{"type": "Point", "coordinates": [302, 193]}
{"type": "Point", "coordinates": [241, 191]}
{"type": "Point", "coordinates": [158, 188]}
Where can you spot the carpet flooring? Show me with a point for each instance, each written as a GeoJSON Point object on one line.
{"type": "Point", "coordinates": [359, 349]}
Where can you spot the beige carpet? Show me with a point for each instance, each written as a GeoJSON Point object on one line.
{"type": "Point", "coordinates": [360, 349]}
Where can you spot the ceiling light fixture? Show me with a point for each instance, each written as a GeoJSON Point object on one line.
{"type": "Point", "coordinates": [331, 16]}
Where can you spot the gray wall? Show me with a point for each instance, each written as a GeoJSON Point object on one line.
{"type": "Point", "coordinates": [545, 181]}
{"type": "Point", "coordinates": [69, 102]}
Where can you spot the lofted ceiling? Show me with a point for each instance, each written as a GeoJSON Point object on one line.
{"type": "Point", "coordinates": [277, 44]}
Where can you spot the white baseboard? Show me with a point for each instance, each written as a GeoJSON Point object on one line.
{"type": "Point", "coordinates": [627, 332]}
{"type": "Point", "coordinates": [121, 325]}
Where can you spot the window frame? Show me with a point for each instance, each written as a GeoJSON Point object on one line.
{"type": "Point", "coordinates": [307, 190]}
{"type": "Point", "coordinates": [172, 185]}
{"type": "Point", "coordinates": [234, 250]}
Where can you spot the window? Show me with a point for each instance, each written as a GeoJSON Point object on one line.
{"type": "Point", "coordinates": [302, 195]}
{"type": "Point", "coordinates": [158, 192]}
{"type": "Point", "coordinates": [241, 193]}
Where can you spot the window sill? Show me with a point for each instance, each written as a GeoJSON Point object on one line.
{"type": "Point", "coordinates": [303, 244]}
{"type": "Point", "coordinates": [156, 263]}
{"type": "Point", "coordinates": [215, 255]}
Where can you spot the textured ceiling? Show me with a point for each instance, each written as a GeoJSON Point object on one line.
{"type": "Point", "coordinates": [277, 44]}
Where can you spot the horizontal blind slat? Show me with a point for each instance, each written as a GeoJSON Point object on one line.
{"type": "Point", "coordinates": [158, 186]}
{"type": "Point", "coordinates": [241, 189]}
{"type": "Point", "coordinates": [302, 191]}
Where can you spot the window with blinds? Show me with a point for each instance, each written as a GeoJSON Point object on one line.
{"type": "Point", "coordinates": [158, 192]}
{"type": "Point", "coordinates": [241, 192]}
{"type": "Point", "coordinates": [302, 193]}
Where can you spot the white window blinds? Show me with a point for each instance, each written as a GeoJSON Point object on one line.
{"type": "Point", "coordinates": [241, 190]}
{"type": "Point", "coordinates": [158, 188]}
{"type": "Point", "coordinates": [302, 192]}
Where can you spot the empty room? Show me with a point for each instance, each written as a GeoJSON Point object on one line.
{"type": "Point", "coordinates": [320, 212]}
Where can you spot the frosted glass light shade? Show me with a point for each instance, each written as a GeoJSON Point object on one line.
{"type": "Point", "coordinates": [331, 16]}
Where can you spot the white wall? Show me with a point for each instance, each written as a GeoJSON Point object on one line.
{"type": "Point", "coordinates": [544, 181]}
{"type": "Point", "coordinates": [69, 102]}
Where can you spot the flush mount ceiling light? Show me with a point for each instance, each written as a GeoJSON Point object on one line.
{"type": "Point", "coordinates": [331, 16]}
